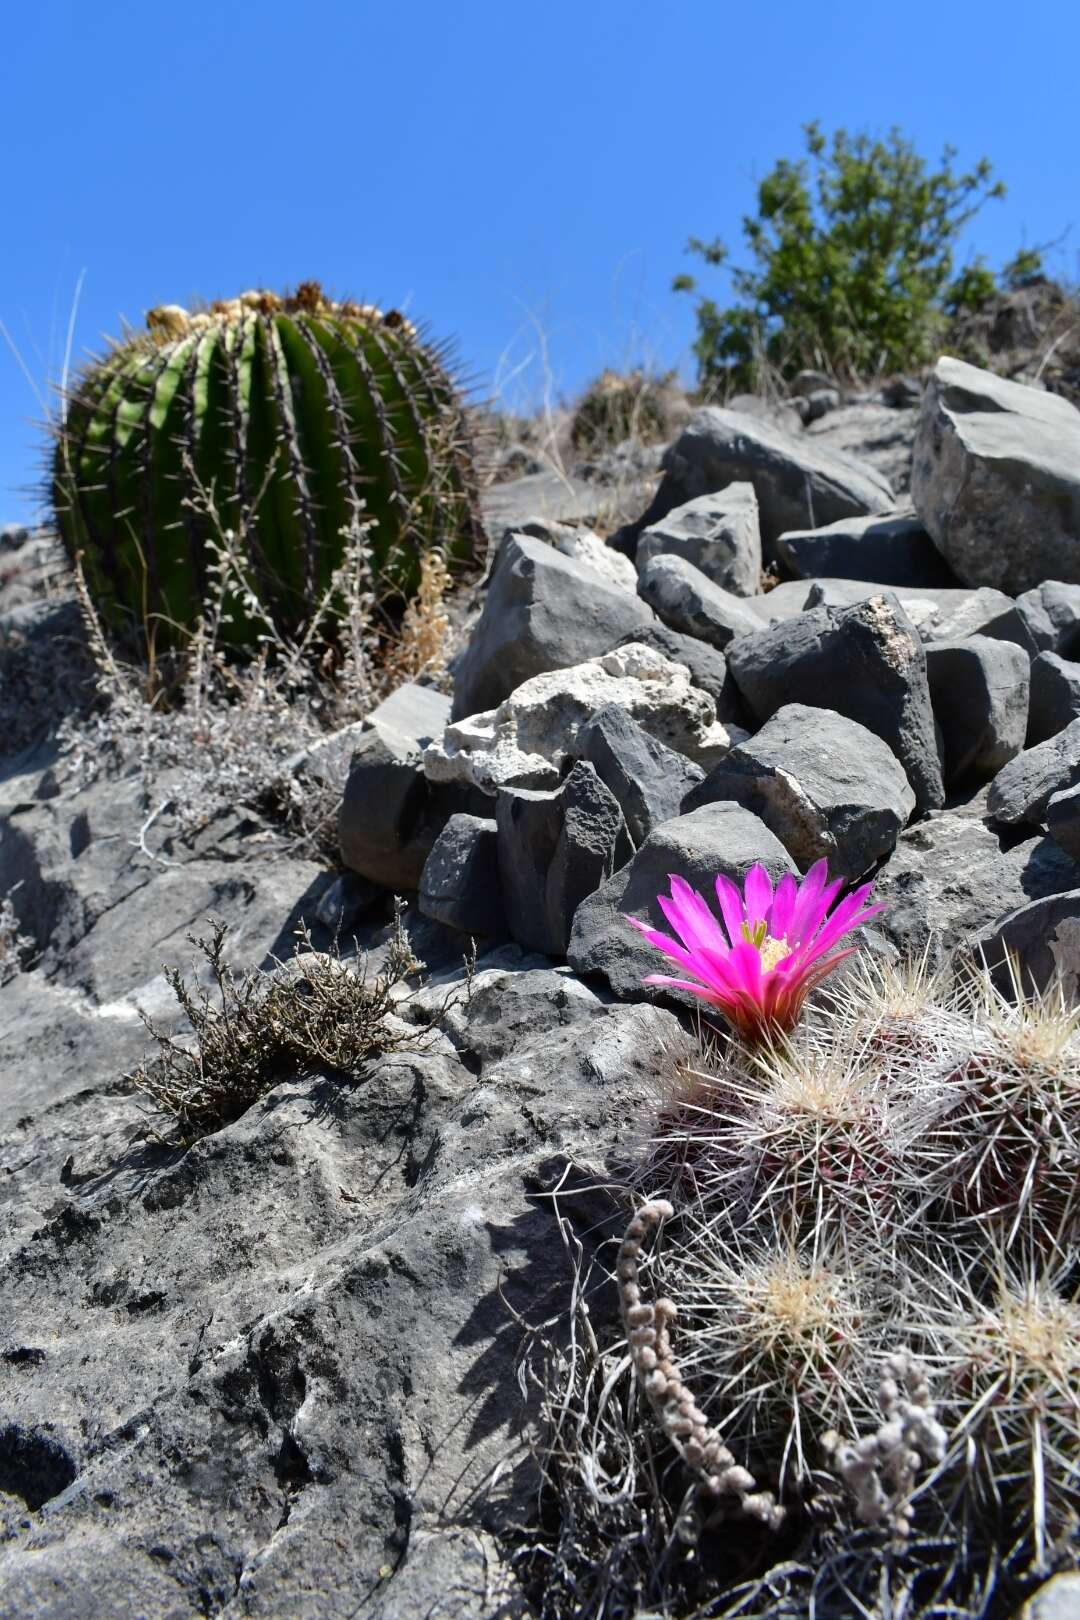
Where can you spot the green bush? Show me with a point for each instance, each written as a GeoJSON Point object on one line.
{"type": "Point", "coordinates": [851, 263]}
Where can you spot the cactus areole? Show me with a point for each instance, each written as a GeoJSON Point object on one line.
{"type": "Point", "coordinates": [291, 412]}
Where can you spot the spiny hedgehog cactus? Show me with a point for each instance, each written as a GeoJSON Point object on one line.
{"type": "Point", "coordinates": [866, 1288]}
{"type": "Point", "coordinates": [290, 412]}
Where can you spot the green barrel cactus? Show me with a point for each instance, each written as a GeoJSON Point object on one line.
{"type": "Point", "coordinates": [290, 411]}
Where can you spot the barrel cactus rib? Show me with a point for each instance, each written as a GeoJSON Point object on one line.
{"type": "Point", "coordinates": [291, 412]}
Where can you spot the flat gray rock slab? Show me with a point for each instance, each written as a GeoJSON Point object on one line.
{"type": "Point", "coordinates": [718, 838]}
{"type": "Point", "coordinates": [996, 478]}
{"type": "Point", "coordinates": [798, 483]}
{"type": "Point", "coordinates": [825, 785]}
{"type": "Point", "coordinates": [891, 550]}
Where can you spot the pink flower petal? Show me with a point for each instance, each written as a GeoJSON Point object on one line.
{"type": "Point", "coordinates": [783, 907]}
{"type": "Point", "coordinates": [731, 906]}
{"type": "Point", "coordinates": [759, 892]}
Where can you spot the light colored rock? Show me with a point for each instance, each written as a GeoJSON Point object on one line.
{"type": "Point", "coordinates": [524, 741]}
{"type": "Point", "coordinates": [996, 478]}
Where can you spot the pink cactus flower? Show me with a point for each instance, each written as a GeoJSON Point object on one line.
{"type": "Point", "coordinates": [759, 967]}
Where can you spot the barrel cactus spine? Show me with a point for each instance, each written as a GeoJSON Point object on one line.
{"type": "Point", "coordinates": [299, 414]}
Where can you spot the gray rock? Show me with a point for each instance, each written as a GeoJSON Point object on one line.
{"type": "Point", "coordinates": [719, 533]}
{"type": "Point", "coordinates": [938, 613]}
{"type": "Point", "coordinates": [459, 885]}
{"type": "Point", "coordinates": [505, 1013]}
{"type": "Point", "coordinates": [979, 689]}
{"type": "Point", "coordinates": [865, 662]}
{"type": "Point", "coordinates": [348, 899]}
{"type": "Point", "coordinates": [648, 779]}
{"type": "Point", "coordinates": [391, 814]}
{"type": "Point", "coordinates": [1063, 821]}
{"type": "Point", "coordinates": [819, 402]}
{"type": "Point", "coordinates": [707, 666]}
{"type": "Point", "coordinates": [890, 550]}
{"type": "Point", "coordinates": [691, 604]}
{"type": "Point", "coordinates": [823, 784]}
{"type": "Point", "coordinates": [716, 838]}
{"type": "Point", "coordinates": [1055, 697]}
{"type": "Point", "coordinates": [543, 611]}
{"type": "Point", "coordinates": [417, 713]}
{"type": "Point", "coordinates": [1051, 613]}
{"type": "Point", "coordinates": [948, 881]}
{"type": "Point", "coordinates": [1024, 787]}
{"type": "Point", "coordinates": [554, 850]}
{"type": "Point", "coordinates": [871, 435]}
{"type": "Point", "coordinates": [996, 478]}
{"type": "Point", "coordinates": [544, 494]}
{"type": "Point", "coordinates": [798, 484]}
{"type": "Point", "coordinates": [1039, 944]}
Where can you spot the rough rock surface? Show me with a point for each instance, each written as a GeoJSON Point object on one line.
{"type": "Point", "coordinates": [1040, 942]}
{"type": "Point", "coordinates": [1051, 613]}
{"type": "Point", "coordinates": [826, 786]}
{"type": "Point", "coordinates": [691, 604]}
{"type": "Point", "coordinates": [459, 885]}
{"type": "Point", "coordinates": [715, 838]}
{"type": "Point", "coordinates": [949, 880]}
{"type": "Point", "coordinates": [554, 850]}
{"type": "Point", "coordinates": [707, 666]}
{"type": "Point", "coordinates": [524, 742]}
{"type": "Point", "coordinates": [543, 611]}
{"type": "Point", "coordinates": [798, 483]}
{"type": "Point", "coordinates": [866, 662]}
{"type": "Point", "coordinates": [939, 613]}
{"type": "Point", "coordinates": [891, 550]}
{"type": "Point", "coordinates": [1023, 788]}
{"type": "Point", "coordinates": [649, 780]}
{"type": "Point", "coordinates": [719, 533]}
{"type": "Point", "coordinates": [979, 690]}
{"type": "Point", "coordinates": [1055, 696]}
{"type": "Point", "coordinates": [582, 546]}
{"type": "Point", "coordinates": [996, 478]}
{"type": "Point", "coordinates": [1063, 821]}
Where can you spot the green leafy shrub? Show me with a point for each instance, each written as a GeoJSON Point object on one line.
{"type": "Point", "coordinates": [851, 263]}
{"type": "Point", "coordinates": [293, 418]}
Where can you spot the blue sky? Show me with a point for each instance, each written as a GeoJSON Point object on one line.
{"type": "Point", "coordinates": [522, 178]}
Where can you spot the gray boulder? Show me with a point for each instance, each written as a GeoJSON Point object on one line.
{"type": "Point", "coordinates": [719, 533]}
{"type": "Point", "coordinates": [825, 785]}
{"type": "Point", "coordinates": [554, 850]}
{"type": "Point", "coordinates": [938, 613]}
{"type": "Point", "coordinates": [865, 662]}
{"type": "Point", "coordinates": [1063, 821]}
{"type": "Point", "coordinates": [996, 478]}
{"type": "Point", "coordinates": [1024, 787]}
{"type": "Point", "coordinates": [798, 483]}
{"type": "Point", "coordinates": [948, 881]}
{"type": "Point", "coordinates": [1051, 614]}
{"type": "Point", "coordinates": [691, 604]}
{"type": "Point", "coordinates": [459, 885]}
{"type": "Point", "coordinates": [391, 814]}
{"type": "Point", "coordinates": [979, 690]}
{"type": "Point", "coordinates": [1039, 943]}
{"type": "Point", "coordinates": [715, 838]}
{"type": "Point", "coordinates": [649, 780]}
{"type": "Point", "coordinates": [543, 611]}
{"type": "Point", "coordinates": [890, 550]}
{"type": "Point", "coordinates": [707, 666]}
{"type": "Point", "coordinates": [1055, 697]}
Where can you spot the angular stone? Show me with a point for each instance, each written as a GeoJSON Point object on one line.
{"type": "Point", "coordinates": [543, 611]}
{"type": "Point", "coordinates": [890, 550]}
{"type": "Point", "coordinates": [418, 713]}
{"type": "Point", "coordinates": [798, 483]}
{"type": "Point", "coordinates": [1039, 943]}
{"type": "Point", "coordinates": [1051, 613]}
{"type": "Point", "coordinates": [719, 533]}
{"type": "Point", "coordinates": [688, 602]}
{"type": "Point", "coordinates": [938, 613]}
{"type": "Point", "coordinates": [825, 785]}
{"type": "Point", "coordinates": [948, 881]}
{"type": "Point", "coordinates": [649, 780]}
{"type": "Point", "coordinates": [391, 814]}
{"type": "Point", "coordinates": [524, 742]}
{"type": "Point", "coordinates": [582, 546]}
{"type": "Point", "coordinates": [459, 885]}
{"type": "Point", "coordinates": [996, 478]}
{"type": "Point", "coordinates": [979, 690]}
{"type": "Point", "coordinates": [1063, 821]}
{"type": "Point", "coordinates": [865, 662]}
{"type": "Point", "coordinates": [555, 849]}
{"type": "Point", "coordinates": [1055, 697]}
{"type": "Point", "coordinates": [716, 838]}
{"type": "Point", "coordinates": [1024, 787]}
{"type": "Point", "coordinates": [707, 666]}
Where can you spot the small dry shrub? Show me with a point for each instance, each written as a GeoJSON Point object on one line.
{"type": "Point", "coordinates": [625, 405]}
{"type": "Point", "coordinates": [253, 1030]}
